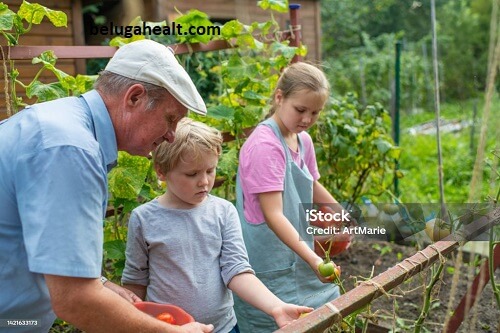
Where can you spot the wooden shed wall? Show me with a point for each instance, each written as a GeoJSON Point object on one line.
{"type": "Point", "coordinates": [46, 34]}
{"type": "Point", "coordinates": [247, 12]}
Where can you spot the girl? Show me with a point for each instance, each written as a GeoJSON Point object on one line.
{"type": "Point", "coordinates": [277, 173]}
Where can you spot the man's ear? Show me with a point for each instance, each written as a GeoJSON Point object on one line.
{"type": "Point", "coordinates": [135, 95]}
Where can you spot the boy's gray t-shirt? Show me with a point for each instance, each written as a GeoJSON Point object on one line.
{"type": "Point", "coordinates": [187, 257]}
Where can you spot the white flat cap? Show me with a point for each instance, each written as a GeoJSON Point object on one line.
{"type": "Point", "coordinates": [148, 61]}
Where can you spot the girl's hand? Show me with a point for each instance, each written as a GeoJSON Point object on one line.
{"type": "Point", "coordinates": [315, 267]}
{"type": "Point", "coordinates": [286, 313]}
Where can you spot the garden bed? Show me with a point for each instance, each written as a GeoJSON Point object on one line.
{"type": "Point", "coordinates": [362, 257]}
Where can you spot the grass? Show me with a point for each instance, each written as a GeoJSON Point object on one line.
{"type": "Point", "coordinates": [419, 162]}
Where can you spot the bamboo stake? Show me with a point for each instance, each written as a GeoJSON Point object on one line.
{"type": "Point", "coordinates": [494, 55]}
{"type": "Point", "coordinates": [437, 106]}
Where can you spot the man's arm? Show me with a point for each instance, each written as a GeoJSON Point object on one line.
{"type": "Point", "coordinates": [89, 306]}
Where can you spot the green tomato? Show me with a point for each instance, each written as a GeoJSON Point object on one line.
{"type": "Point", "coordinates": [326, 269]}
{"type": "Point", "coordinates": [390, 209]}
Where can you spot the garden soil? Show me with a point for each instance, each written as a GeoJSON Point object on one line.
{"type": "Point", "coordinates": [399, 312]}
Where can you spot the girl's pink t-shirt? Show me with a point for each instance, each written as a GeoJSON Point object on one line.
{"type": "Point", "coordinates": [262, 167]}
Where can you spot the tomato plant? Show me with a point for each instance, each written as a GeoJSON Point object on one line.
{"type": "Point", "coordinates": [354, 148]}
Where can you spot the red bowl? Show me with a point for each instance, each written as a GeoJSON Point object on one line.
{"type": "Point", "coordinates": [154, 309]}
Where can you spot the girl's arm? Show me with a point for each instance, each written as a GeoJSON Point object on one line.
{"type": "Point", "coordinates": [271, 204]}
{"type": "Point", "coordinates": [250, 289]}
{"type": "Point", "coordinates": [322, 196]}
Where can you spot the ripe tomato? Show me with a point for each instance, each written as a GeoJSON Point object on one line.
{"type": "Point", "coordinates": [166, 317]}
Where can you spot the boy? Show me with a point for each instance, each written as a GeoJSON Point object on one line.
{"type": "Point", "coordinates": [186, 248]}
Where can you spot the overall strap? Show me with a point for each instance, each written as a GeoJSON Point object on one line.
{"type": "Point", "coordinates": [269, 122]}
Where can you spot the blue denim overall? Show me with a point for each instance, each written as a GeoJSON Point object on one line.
{"type": "Point", "coordinates": [275, 264]}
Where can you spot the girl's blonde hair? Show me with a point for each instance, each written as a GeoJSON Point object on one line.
{"type": "Point", "coordinates": [300, 76]}
{"type": "Point", "coordinates": [191, 137]}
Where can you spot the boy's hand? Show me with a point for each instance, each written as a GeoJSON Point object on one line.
{"type": "Point", "coordinates": [286, 313]}
{"type": "Point", "coordinates": [123, 292]}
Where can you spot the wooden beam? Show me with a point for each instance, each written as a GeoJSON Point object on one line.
{"type": "Point", "coordinates": [97, 51]}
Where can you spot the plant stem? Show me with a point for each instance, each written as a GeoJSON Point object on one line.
{"type": "Point", "coordinates": [491, 267]}
{"type": "Point", "coordinates": [427, 298]}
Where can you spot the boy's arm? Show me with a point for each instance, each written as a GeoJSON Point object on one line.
{"type": "Point", "coordinates": [250, 289]}
{"type": "Point", "coordinates": [137, 289]}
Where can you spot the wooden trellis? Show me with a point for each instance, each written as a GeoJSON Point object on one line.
{"type": "Point", "coordinates": [333, 312]}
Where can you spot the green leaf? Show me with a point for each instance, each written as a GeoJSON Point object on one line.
{"type": "Point", "coordinates": [280, 6]}
{"type": "Point", "coordinates": [221, 112]}
{"type": "Point", "coordinates": [6, 17]}
{"type": "Point", "coordinates": [34, 13]}
{"type": "Point", "coordinates": [194, 18]}
{"type": "Point", "coordinates": [84, 83]}
{"type": "Point", "coordinates": [46, 92]}
{"type": "Point", "coordinates": [120, 41]}
{"type": "Point", "coordinates": [228, 163]}
{"type": "Point", "coordinates": [253, 95]}
{"type": "Point", "coordinates": [287, 51]}
{"type": "Point", "coordinates": [127, 178]}
{"type": "Point", "coordinates": [383, 146]}
{"type": "Point", "coordinates": [115, 249]}
{"type": "Point", "coordinates": [47, 58]}
{"type": "Point", "coordinates": [232, 29]}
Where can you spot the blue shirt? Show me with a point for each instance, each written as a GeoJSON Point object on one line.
{"type": "Point", "coordinates": [54, 159]}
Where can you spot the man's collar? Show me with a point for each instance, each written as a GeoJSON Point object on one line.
{"type": "Point", "coordinates": [103, 127]}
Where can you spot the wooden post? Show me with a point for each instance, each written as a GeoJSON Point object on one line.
{"type": "Point", "coordinates": [295, 29]}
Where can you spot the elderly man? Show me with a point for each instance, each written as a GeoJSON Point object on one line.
{"type": "Point", "coordinates": [54, 159]}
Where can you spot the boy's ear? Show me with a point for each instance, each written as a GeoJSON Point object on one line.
{"type": "Point", "coordinates": [159, 173]}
